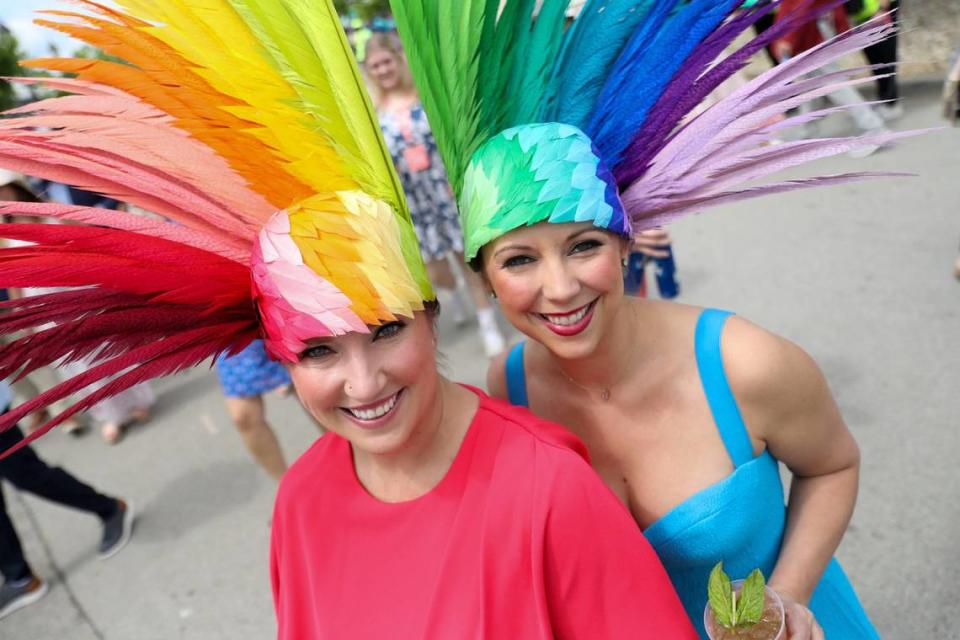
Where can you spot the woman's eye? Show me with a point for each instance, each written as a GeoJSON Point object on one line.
{"type": "Point", "coordinates": [585, 245]}
{"type": "Point", "coordinates": [388, 330]}
{"type": "Point", "coordinates": [313, 353]}
{"type": "Point", "coordinates": [516, 261]}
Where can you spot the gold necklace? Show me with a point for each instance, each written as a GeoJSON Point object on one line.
{"type": "Point", "coordinates": [604, 392]}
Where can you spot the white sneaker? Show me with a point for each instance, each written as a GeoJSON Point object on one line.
{"type": "Point", "coordinates": [455, 306]}
{"type": "Point", "coordinates": [890, 112]}
{"type": "Point", "coordinates": [493, 342]}
{"type": "Point", "coordinates": [863, 151]}
{"type": "Point", "coordinates": [868, 149]}
{"type": "Point", "coordinates": [458, 312]}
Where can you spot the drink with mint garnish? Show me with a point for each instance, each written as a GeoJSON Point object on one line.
{"type": "Point", "coordinates": [744, 609]}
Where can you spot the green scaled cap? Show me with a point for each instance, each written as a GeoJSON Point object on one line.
{"type": "Point", "coordinates": [536, 172]}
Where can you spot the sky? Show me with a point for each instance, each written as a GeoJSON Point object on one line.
{"type": "Point", "coordinates": [17, 15]}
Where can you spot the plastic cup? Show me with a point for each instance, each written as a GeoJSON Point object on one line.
{"type": "Point", "coordinates": [719, 632]}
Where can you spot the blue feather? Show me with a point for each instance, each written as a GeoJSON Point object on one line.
{"type": "Point", "coordinates": [654, 54]}
{"type": "Point", "coordinates": [590, 48]}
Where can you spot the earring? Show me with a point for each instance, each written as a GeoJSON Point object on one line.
{"type": "Point", "coordinates": [493, 294]}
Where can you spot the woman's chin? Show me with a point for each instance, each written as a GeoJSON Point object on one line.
{"type": "Point", "coordinates": [574, 347]}
{"type": "Point", "coordinates": [388, 84]}
{"type": "Point", "coordinates": [381, 442]}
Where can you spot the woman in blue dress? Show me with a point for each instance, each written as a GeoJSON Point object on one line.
{"type": "Point", "coordinates": [245, 378]}
{"type": "Point", "coordinates": [560, 147]}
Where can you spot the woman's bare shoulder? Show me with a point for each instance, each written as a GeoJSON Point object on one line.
{"type": "Point", "coordinates": [765, 369]}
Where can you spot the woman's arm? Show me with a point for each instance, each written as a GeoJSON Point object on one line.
{"type": "Point", "coordinates": [787, 404]}
{"type": "Point", "coordinates": [602, 579]}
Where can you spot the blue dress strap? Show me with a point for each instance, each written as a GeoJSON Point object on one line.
{"type": "Point", "coordinates": [723, 405]}
{"type": "Point", "coordinates": [516, 377]}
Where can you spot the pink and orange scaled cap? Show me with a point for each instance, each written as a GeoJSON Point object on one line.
{"type": "Point", "coordinates": [333, 264]}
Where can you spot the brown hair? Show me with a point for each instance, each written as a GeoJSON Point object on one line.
{"type": "Point", "coordinates": [389, 42]}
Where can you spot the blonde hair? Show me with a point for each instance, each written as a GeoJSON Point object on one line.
{"type": "Point", "coordinates": [390, 43]}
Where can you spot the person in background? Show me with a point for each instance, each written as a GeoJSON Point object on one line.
{"type": "Point", "coordinates": [358, 35]}
{"type": "Point", "coordinates": [115, 414]}
{"type": "Point", "coordinates": [28, 472]}
{"type": "Point", "coordinates": [425, 184]}
{"type": "Point", "coordinates": [883, 54]}
{"type": "Point", "coordinates": [245, 378]}
{"type": "Point", "coordinates": [14, 187]}
{"type": "Point", "coordinates": [651, 246]}
{"type": "Point", "coordinates": [812, 33]}
{"type": "Point", "coordinates": [951, 89]}
{"type": "Point", "coordinates": [951, 111]}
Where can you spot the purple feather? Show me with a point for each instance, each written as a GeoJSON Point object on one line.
{"type": "Point", "coordinates": [678, 207]}
{"type": "Point", "coordinates": [703, 135]}
{"type": "Point", "coordinates": [690, 88]}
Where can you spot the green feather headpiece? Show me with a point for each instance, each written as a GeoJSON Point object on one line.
{"type": "Point", "coordinates": [536, 122]}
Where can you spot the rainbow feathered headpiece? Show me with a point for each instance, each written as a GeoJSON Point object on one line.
{"type": "Point", "coordinates": [245, 122]}
{"type": "Point", "coordinates": [594, 123]}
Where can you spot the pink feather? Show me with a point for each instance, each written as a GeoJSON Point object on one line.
{"type": "Point", "coordinates": [128, 222]}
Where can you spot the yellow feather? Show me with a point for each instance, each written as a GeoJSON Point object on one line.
{"type": "Point", "coordinates": [305, 92]}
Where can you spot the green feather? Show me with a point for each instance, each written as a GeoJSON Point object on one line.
{"type": "Point", "coordinates": [529, 174]}
{"type": "Point", "coordinates": [480, 68]}
{"type": "Point", "coordinates": [304, 42]}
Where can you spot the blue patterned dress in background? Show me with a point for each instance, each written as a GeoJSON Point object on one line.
{"type": "Point", "coordinates": [424, 181]}
{"type": "Point", "coordinates": [250, 373]}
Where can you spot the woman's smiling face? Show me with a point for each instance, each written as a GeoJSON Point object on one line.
{"type": "Point", "coordinates": [375, 389]}
{"type": "Point", "coordinates": [560, 284]}
{"type": "Point", "coordinates": [383, 67]}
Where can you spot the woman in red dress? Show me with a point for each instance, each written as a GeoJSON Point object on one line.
{"type": "Point", "coordinates": [430, 510]}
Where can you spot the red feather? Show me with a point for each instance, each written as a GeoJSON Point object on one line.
{"type": "Point", "coordinates": [173, 355]}
{"type": "Point", "coordinates": [148, 307]}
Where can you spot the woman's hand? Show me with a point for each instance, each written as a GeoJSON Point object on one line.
{"type": "Point", "coordinates": [652, 243]}
{"type": "Point", "coordinates": [801, 625]}
{"type": "Point", "coordinates": [782, 50]}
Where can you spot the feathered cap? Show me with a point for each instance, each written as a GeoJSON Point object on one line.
{"type": "Point", "coordinates": [594, 123]}
{"type": "Point", "coordinates": [246, 124]}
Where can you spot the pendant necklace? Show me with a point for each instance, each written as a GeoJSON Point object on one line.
{"type": "Point", "coordinates": [604, 392]}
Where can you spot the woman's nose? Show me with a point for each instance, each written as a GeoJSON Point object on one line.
{"type": "Point", "coordinates": [363, 379]}
{"type": "Point", "coordinates": [559, 285]}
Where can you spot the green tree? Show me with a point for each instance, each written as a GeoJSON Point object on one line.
{"type": "Point", "coordinates": [90, 52]}
{"type": "Point", "coordinates": [9, 66]}
{"type": "Point", "coordinates": [365, 9]}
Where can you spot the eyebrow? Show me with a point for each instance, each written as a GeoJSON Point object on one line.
{"type": "Point", "coordinates": [589, 229]}
{"type": "Point", "coordinates": [523, 247]}
{"type": "Point", "coordinates": [509, 247]}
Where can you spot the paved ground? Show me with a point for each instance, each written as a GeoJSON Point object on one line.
{"type": "Point", "coordinates": [859, 275]}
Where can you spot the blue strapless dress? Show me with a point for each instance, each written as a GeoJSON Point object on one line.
{"type": "Point", "coordinates": [717, 523]}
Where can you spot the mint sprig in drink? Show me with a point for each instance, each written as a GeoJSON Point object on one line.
{"type": "Point", "coordinates": [743, 609]}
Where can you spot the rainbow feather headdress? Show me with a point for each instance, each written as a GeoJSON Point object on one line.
{"type": "Point", "coordinates": [245, 122]}
{"type": "Point", "coordinates": [594, 124]}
